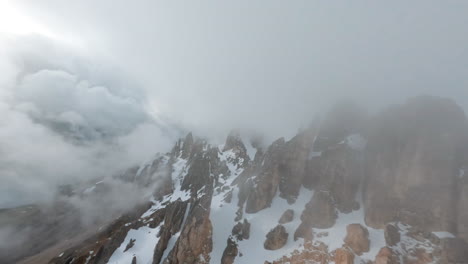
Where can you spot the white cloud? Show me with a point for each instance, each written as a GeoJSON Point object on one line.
{"type": "Point", "coordinates": [63, 123]}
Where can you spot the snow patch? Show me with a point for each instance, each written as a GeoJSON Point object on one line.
{"type": "Point", "coordinates": [337, 233]}
{"type": "Point", "coordinates": [356, 142]}
{"type": "Point", "coordinates": [263, 221]}
{"type": "Point", "coordinates": [444, 234]}
{"type": "Point", "coordinates": [145, 241]}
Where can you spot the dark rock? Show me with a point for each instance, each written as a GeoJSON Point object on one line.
{"type": "Point", "coordinates": [195, 241]}
{"type": "Point", "coordinates": [286, 217]}
{"type": "Point", "coordinates": [386, 256]}
{"type": "Point", "coordinates": [130, 244]}
{"type": "Point", "coordinates": [266, 183]}
{"type": "Point", "coordinates": [455, 250]}
{"type": "Point", "coordinates": [276, 238]}
{"type": "Point", "coordinates": [241, 230]}
{"type": "Point", "coordinates": [413, 156]}
{"type": "Point", "coordinates": [392, 235]}
{"type": "Point", "coordinates": [230, 252]}
{"type": "Point", "coordinates": [134, 260]}
{"type": "Point", "coordinates": [320, 211]}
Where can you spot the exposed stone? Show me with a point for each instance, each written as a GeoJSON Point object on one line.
{"type": "Point", "coordinates": [173, 219]}
{"type": "Point", "coordinates": [230, 252]}
{"type": "Point", "coordinates": [195, 242]}
{"type": "Point", "coordinates": [462, 212]}
{"type": "Point", "coordinates": [338, 171]}
{"type": "Point", "coordinates": [344, 256]}
{"type": "Point", "coordinates": [413, 157]}
{"type": "Point", "coordinates": [418, 256]}
{"type": "Point", "coordinates": [304, 231]}
{"type": "Point", "coordinates": [241, 230]}
{"type": "Point", "coordinates": [276, 238]}
{"type": "Point", "coordinates": [134, 260]}
{"type": "Point", "coordinates": [386, 256]}
{"type": "Point", "coordinates": [357, 238]}
{"type": "Point", "coordinates": [392, 235]}
{"type": "Point", "coordinates": [286, 217]}
{"type": "Point", "coordinates": [293, 163]}
{"type": "Point", "coordinates": [235, 144]}
{"type": "Point", "coordinates": [266, 183]}
{"type": "Point", "coordinates": [130, 244]}
{"type": "Point", "coordinates": [455, 250]}
{"type": "Point", "coordinates": [320, 211]}
{"type": "Point", "coordinates": [312, 253]}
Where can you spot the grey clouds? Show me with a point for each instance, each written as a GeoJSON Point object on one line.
{"type": "Point", "coordinates": [209, 66]}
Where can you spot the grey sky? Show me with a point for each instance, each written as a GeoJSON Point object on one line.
{"type": "Point", "coordinates": [272, 64]}
{"type": "Point", "coordinates": [210, 66]}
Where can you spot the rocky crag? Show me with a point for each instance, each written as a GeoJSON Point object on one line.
{"type": "Point", "coordinates": [390, 188]}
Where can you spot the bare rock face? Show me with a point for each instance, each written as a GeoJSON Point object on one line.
{"type": "Point", "coordinates": [267, 181]}
{"type": "Point", "coordinates": [234, 143]}
{"type": "Point", "coordinates": [357, 238]}
{"type": "Point", "coordinates": [230, 252]}
{"type": "Point", "coordinates": [462, 219]}
{"type": "Point", "coordinates": [455, 250]}
{"type": "Point", "coordinates": [292, 167]}
{"type": "Point", "coordinates": [276, 238]}
{"type": "Point", "coordinates": [339, 171]}
{"type": "Point", "coordinates": [241, 230]}
{"type": "Point", "coordinates": [419, 256]}
{"type": "Point", "coordinates": [386, 256]}
{"type": "Point", "coordinates": [320, 211]}
{"type": "Point", "coordinates": [413, 157]}
{"type": "Point", "coordinates": [312, 253]}
{"type": "Point", "coordinates": [392, 235]}
{"type": "Point", "coordinates": [344, 256]}
{"type": "Point", "coordinates": [173, 218]}
{"type": "Point", "coordinates": [286, 217]}
{"type": "Point", "coordinates": [195, 242]}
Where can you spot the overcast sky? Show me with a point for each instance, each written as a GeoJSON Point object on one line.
{"type": "Point", "coordinates": [112, 67]}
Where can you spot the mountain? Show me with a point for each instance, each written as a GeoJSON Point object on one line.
{"type": "Point", "coordinates": [351, 188]}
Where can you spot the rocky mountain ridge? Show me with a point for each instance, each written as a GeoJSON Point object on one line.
{"type": "Point", "coordinates": [348, 189]}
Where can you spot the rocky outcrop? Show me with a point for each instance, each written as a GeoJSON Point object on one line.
{"type": "Point", "coordinates": [386, 256]}
{"type": "Point", "coordinates": [461, 210]}
{"type": "Point", "coordinates": [235, 144]}
{"type": "Point", "coordinates": [312, 253]}
{"type": "Point", "coordinates": [339, 172]}
{"type": "Point", "coordinates": [276, 238]}
{"type": "Point", "coordinates": [265, 185]}
{"type": "Point", "coordinates": [286, 217]}
{"type": "Point", "coordinates": [454, 250]}
{"type": "Point", "coordinates": [173, 219]}
{"type": "Point", "coordinates": [230, 252]}
{"type": "Point", "coordinates": [319, 213]}
{"type": "Point", "coordinates": [357, 238]}
{"type": "Point", "coordinates": [241, 230]}
{"type": "Point", "coordinates": [195, 242]}
{"type": "Point", "coordinates": [293, 162]}
{"type": "Point", "coordinates": [413, 157]}
{"type": "Point", "coordinates": [344, 256]}
{"type": "Point", "coordinates": [391, 234]}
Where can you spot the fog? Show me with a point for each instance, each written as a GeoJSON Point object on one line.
{"type": "Point", "coordinates": [117, 81]}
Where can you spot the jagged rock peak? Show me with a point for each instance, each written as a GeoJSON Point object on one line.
{"type": "Point", "coordinates": [234, 142]}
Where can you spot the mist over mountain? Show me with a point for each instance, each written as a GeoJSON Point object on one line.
{"type": "Point", "coordinates": [233, 132]}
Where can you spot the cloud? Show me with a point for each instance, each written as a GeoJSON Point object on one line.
{"type": "Point", "coordinates": [75, 106]}
{"type": "Point", "coordinates": [271, 65]}
{"type": "Point", "coordinates": [62, 123]}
